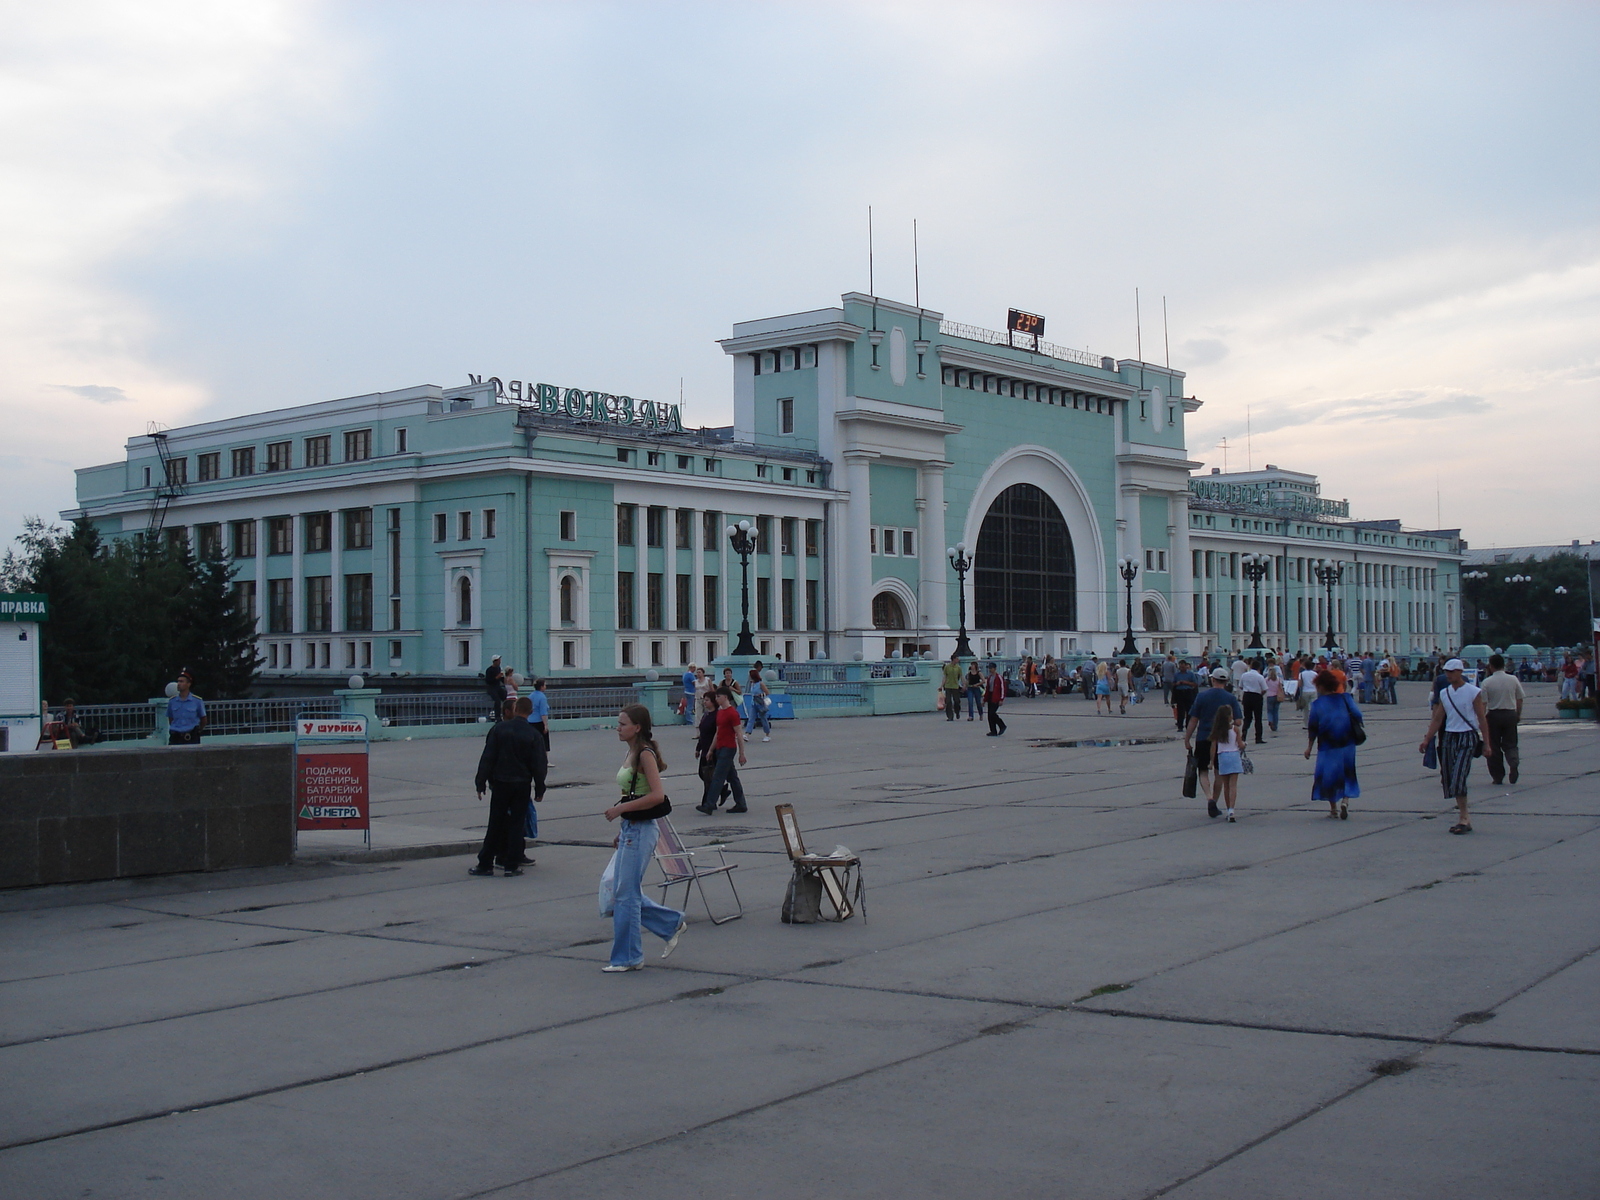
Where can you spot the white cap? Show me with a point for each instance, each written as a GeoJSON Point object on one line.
{"type": "Point", "coordinates": [1455, 664]}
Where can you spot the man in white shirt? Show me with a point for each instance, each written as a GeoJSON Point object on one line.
{"type": "Point", "coordinates": [1237, 669]}
{"type": "Point", "coordinates": [1252, 689]}
{"type": "Point", "coordinates": [1502, 699]}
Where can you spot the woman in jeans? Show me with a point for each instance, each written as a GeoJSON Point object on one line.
{"type": "Point", "coordinates": [974, 682]}
{"type": "Point", "coordinates": [1274, 696]}
{"type": "Point", "coordinates": [642, 790]}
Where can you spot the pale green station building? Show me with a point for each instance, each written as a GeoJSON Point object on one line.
{"type": "Point", "coordinates": [577, 533]}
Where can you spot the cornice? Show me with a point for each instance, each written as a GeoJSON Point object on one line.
{"type": "Point", "coordinates": [961, 356]}
{"type": "Point", "coordinates": [799, 335]}
{"type": "Point", "coordinates": [903, 421]}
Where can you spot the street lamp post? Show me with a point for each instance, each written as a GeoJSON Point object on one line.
{"type": "Point", "coordinates": [962, 563]}
{"type": "Point", "coordinates": [1128, 569]}
{"type": "Point", "coordinates": [1255, 570]}
{"type": "Point", "coordinates": [1477, 614]}
{"type": "Point", "coordinates": [1517, 579]}
{"type": "Point", "coordinates": [1329, 573]}
{"type": "Point", "coordinates": [742, 538]}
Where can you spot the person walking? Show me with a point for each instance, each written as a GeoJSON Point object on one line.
{"type": "Point", "coordinates": [494, 682]}
{"type": "Point", "coordinates": [759, 702]}
{"type": "Point", "coordinates": [1050, 676]}
{"type": "Point", "coordinates": [1253, 695]}
{"type": "Point", "coordinates": [951, 684]}
{"type": "Point", "coordinates": [994, 695]}
{"type": "Point", "coordinates": [686, 704]}
{"type": "Point", "coordinates": [513, 767]}
{"type": "Point", "coordinates": [1202, 713]}
{"type": "Point", "coordinates": [539, 712]}
{"type": "Point", "coordinates": [1307, 691]}
{"type": "Point", "coordinates": [727, 745]}
{"type": "Point", "coordinates": [1331, 726]}
{"type": "Point", "coordinates": [1274, 677]}
{"type": "Point", "coordinates": [1185, 687]}
{"type": "Point", "coordinates": [1102, 687]}
{"type": "Point", "coordinates": [1502, 702]}
{"type": "Point", "coordinates": [1460, 722]}
{"type": "Point", "coordinates": [974, 683]}
{"type": "Point", "coordinates": [186, 713]}
{"type": "Point", "coordinates": [704, 685]}
{"type": "Point", "coordinates": [644, 797]}
{"type": "Point", "coordinates": [1030, 678]}
{"type": "Point", "coordinates": [1226, 733]}
{"type": "Point", "coordinates": [1169, 677]}
{"type": "Point", "coordinates": [1123, 676]}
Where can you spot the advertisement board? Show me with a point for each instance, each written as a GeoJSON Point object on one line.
{"type": "Point", "coordinates": [331, 789]}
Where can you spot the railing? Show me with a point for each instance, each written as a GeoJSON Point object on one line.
{"type": "Point", "coordinates": [590, 702]}
{"type": "Point", "coordinates": [435, 708]}
{"type": "Point", "coordinates": [113, 722]}
{"type": "Point", "coordinates": [905, 669]}
{"type": "Point", "coordinates": [234, 717]}
{"type": "Point", "coordinates": [811, 672]}
{"type": "Point", "coordinates": [1021, 341]}
{"type": "Point", "coordinates": [827, 695]}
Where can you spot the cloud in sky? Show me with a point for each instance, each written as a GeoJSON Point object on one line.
{"type": "Point", "coordinates": [92, 391]}
{"type": "Point", "coordinates": [1374, 225]}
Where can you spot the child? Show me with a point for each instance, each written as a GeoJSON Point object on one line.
{"type": "Point", "coordinates": [1225, 745]}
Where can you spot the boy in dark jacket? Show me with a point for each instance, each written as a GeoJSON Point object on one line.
{"type": "Point", "coordinates": [513, 765]}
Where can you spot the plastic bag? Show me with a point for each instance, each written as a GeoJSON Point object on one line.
{"type": "Point", "coordinates": [608, 887]}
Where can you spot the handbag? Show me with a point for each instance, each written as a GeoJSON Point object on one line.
{"type": "Point", "coordinates": [1430, 756]}
{"type": "Point", "coordinates": [646, 814]}
{"type": "Point", "coordinates": [1191, 778]}
{"type": "Point", "coordinates": [1246, 767]}
{"type": "Point", "coordinates": [802, 900]}
{"type": "Point", "coordinates": [1358, 726]}
{"type": "Point", "coordinates": [608, 887]}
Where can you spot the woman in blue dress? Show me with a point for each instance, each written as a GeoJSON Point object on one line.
{"type": "Point", "coordinates": [1331, 727]}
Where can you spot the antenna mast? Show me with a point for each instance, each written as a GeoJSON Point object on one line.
{"type": "Point", "coordinates": [1166, 342]}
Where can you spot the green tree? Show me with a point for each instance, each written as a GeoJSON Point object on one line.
{"type": "Point", "coordinates": [1532, 611]}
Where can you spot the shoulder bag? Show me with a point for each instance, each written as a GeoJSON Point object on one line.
{"type": "Point", "coordinates": [1358, 724]}
{"type": "Point", "coordinates": [1477, 738]}
{"type": "Point", "coordinates": [645, 814]}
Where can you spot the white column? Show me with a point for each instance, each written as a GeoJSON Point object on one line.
{"type": "Point", "coordinates": [1183, 564]}
{"type": "Point", "coordinates": [934, 589]}
{"type": "Point", "coordinates": [261, 577]}
{"type": "Point", "coordinates": [857, 554]}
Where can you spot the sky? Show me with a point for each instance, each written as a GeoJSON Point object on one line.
{"type": "Point", "coordinates": [1375, 228]}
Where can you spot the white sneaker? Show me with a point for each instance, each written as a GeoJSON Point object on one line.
{"type": "Point", "coordinates": [672, 942]}
{"type": "Point", "coordinates": [766, 739]}
{"type": "Point", "coordinates": [638, 966]}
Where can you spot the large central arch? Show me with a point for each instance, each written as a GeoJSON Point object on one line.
{"type": "Point", "coordinates": [1050, 473]}
{"type": "Point", "coordinates": [1024, 574]}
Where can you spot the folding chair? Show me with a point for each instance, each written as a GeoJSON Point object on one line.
{"type": "Point", "coordinates": [678, 865]}
{"type": "Point", "coordinates": [837, 874]}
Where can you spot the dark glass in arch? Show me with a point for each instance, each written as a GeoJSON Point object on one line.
{"type": "Point", "coordinates": [1025, 575]}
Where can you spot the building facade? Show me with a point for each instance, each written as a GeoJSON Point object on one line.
{"type": "Point", "coordinates": [575, 532]}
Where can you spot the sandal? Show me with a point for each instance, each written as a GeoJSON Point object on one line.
{"type": "Point", "coordinates": [1461, 829]}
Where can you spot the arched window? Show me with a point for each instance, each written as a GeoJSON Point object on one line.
{"type": "Point", "coordinates": [569, 599]}
{"type": "Point", "coordinates": [1152, 616]}
{"type": "Point", "coordinates": [887, 611]}
{"type": "Point", "coordinates": [1025, 575]}
{"type": "Point", "coordinates": [464, 600]}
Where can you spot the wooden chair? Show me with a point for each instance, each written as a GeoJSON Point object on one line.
{"type": "Point", "coordinates": [679, 865]}
{"type": "Point", "coordinates": [839, 875]}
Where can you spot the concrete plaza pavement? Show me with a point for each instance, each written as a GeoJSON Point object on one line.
{"type": "Point", "coordinates": [1072, 984]}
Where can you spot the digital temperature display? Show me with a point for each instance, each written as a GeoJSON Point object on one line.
{"type": "Point", "coordinates": [1018, 321]}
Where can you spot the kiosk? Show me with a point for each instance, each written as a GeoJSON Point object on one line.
{"type": "Point", "coordinates": [21, 713]}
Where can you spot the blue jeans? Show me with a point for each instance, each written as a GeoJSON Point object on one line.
{"type": "Point", "coordinates": [726, 773]}
{"type": "Point", "coordinates": [1272, 712]}
{"type": "Point", "coordinates": [636, 842]}
{"type": "Point", "coordinates": [974, 702]}
{"type": "Point", "coordinates": [758, 714]}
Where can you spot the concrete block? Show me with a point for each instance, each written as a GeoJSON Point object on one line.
{"type": "Point", "coordinates": [160, 843]}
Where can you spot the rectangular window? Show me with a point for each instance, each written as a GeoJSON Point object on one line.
{"type": "Point", "coordinates": [786, 415]}
{"type": "Point", "coordinates": [655, 523]}
{"type": "Point", "coordinates": [624, 524]}
{"type": "Point", "coordinates": [569, 654]}
{"type": "Point", "coordinates": [710, 530]}
{"type": "Point", "coordinates": [708, 603]}
{"type": "Point", "coordinates": [872, 538]}
{"type": "Point", "coordinates": [622, 454]}
{"type": "Point", "coordinates": [684, 462]}
{"type": "Point", "coordinates": [319, 603]}
{"type": "Point", "coordinates": [812, 614]}
{"type": "Point", "coordinates": [358, 602]}
{"type": "Point", "coordinates": [685, 601]}
{"type": "Point", "coordinates": [569, 526]}
{"type": "Point", "coordinates": [318, 450]}
{"type": "Point", "coordinates": [244, 539]}
{"type": "Point", "coordinates": [788, 474]}
{"type": "Point", "coordinates": [653, 600]}
{"type": "Point", "coordinates": [489, 521]}
{"type": "Point", "coordinates": [813, 537]}
{"type": "Point", "coordinates": [358, 529]}
{"type": "Point", "coordinates": [908, 543]}
{"type": "Point", "coordinates": [657, 654]}
{"type": "Point", "coordinates": [244, 460]}
{"type": "Point", "coordinates": [685, 528]}
{"type": "Point", "coordinates": [463, 527]}
{"type": "Point", "coordinates": [763, 604]}
{"type": "Point", "coordinates": [890, 542]}
{"type": "Point", "coordinates": [787, 597]}
{"type": "Point", "coordinates": [441, 527]}
{"type": "Point", "coordinates": [319, 532]}
{"type": "Point", "coordinates": [763, 471]}
{"type": "Point", "coordinates": [244, 598]}
{"type": "Point", "coordinates": [280, 535]}
{"type": "Point", "coordinates": [397, 650]}
{"type": "Point", "coordinates": [402, 443]}
{"type": "Point", "coordinates": [280, 456]}
{"type": "Point", "coordinates": [464, 653]}
{"type": "Point", "coordinates": [1233, 612]}
{"type": "Point", "coordinates": [711, 464]}
{"type": "Point", "coordinates": [357, 445]}
{"type": "Point", "coordinates": [210, 467]}
{"type": "Point", "coordinates": [177, 471]}
{"type": "Point", "coordinates": [763, 535]}
{"type": "Point", "coordinates": [394, 569]}
{"type": "Point", "coordinates": [627, 654]}
{"type": "Point", "coordinates": [653, 458]}
{"type": "Point", "coordinates": [208, 540]}
{"type": "Point", "coordinates": [787, 528]}
{"type": "Point", "coordinates": [280, 606]}
{"type": "Point", "coordinates": [625, 600]}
